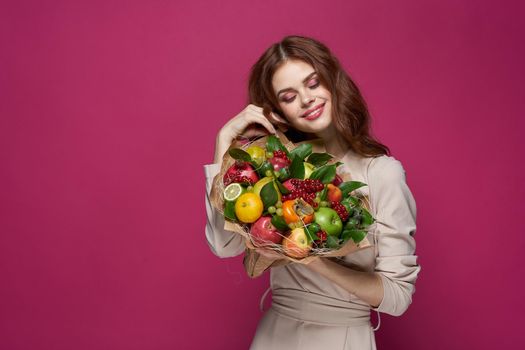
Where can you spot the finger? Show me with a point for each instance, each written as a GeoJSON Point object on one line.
{"type": "Point", "coordinates": [251, 134]}
{"type": "Point", "coordinates": [243, 120]}
{"type": "Point", "coordinates": [261, 119]}
{"type": "Point", "coordinates": [254, 107]}
{"type": "Point", "coordinates": [277, 118]}
{"type": "Point", "coordinates": [255, 130]}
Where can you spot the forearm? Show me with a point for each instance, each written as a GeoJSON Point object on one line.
{"type": "Point", "coordinates": [367, 286]}
{"type": "Point", "coordinates": [222, 143]}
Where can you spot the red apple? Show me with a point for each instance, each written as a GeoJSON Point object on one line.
{"type": "Point", "coordinates": [264, 233]}
{"type": "Point", "coordinates": [241, 172]}
{"type": "Point", "coordinates": [334, 193]}
{"type": "Point", "coordinates": [296, 244]}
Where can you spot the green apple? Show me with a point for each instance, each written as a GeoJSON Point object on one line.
{"type": "Point", "coordinates": [329, 221]}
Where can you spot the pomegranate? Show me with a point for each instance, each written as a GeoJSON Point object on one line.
{"type": "Point", "coordinates": [241, 172]}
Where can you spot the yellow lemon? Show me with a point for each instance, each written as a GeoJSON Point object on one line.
{"type": "Point", "coordinates": [248, 207]}
{"type": "Point", "coordinates": [308, 170]}
{"type": "Point", "coordinates": [257, 153]}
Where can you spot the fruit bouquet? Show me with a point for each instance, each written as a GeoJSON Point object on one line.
{"type": "Point", "coordinates": [290, 199]}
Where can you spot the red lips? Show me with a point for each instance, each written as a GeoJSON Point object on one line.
{"type": "Point", "coordinates": [312, 109]}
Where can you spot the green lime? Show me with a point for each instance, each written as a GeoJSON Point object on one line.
{"type": "Point", "coordinates": [233, 191]}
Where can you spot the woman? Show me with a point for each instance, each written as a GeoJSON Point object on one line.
{"type": "Point", "coordinates": [300, 87]}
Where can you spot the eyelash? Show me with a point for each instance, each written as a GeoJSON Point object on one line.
{"type": "Point", "coordinates": [311, 87]}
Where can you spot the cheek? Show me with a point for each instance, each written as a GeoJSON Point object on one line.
{"type": "Point", "coordinates": [288, 111]}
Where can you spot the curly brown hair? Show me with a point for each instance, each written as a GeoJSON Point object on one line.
{"type": "Point", "coordinates": [350, 112]}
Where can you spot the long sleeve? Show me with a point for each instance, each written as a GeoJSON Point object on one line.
{"type": "Point", "coordinates": [395, 211]}
{"type": "Point", "coordinates": [222, 243]}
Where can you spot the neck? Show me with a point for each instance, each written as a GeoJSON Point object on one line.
{"type": "Point", "coordinates": [334, 143]}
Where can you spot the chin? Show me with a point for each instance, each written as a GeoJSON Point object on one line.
{"type": "Point", "coordinates": [317, 126]}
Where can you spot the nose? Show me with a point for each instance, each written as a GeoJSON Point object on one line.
{"type": "Point", "coordinates": [307, 99]}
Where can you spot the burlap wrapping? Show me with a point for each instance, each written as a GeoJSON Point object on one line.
{"type": "Point", "coordinates": [254, 263]}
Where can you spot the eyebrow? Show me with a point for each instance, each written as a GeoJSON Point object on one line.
{"type": "Point", "coordinates": [304, 81]}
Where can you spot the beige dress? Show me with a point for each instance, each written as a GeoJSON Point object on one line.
{"type": "Point", "coordinates": [309, 311]}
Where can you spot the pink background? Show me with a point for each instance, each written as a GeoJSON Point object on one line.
{"type": "Point", "coordinates": [109, 109]}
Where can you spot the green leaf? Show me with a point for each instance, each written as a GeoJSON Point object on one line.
{"type": "Point", "coordinates": [311, 231]}
{"type": "Point", "coordinates": [352, 223]}
{"type": "Point", "coordinates": [309, 236]}
{"type": "Point", "coordinates": [326, 174]}
{"type": "Point", "coordinates": [239, 154]}
{"type": "Point", "coordinates": [273, 144]}
{"type": "Point", "coordinates": [346, 234]}
{"type": "Point", "coordinates": [229, 210]}
{"type": "Point", "coordinates": [367, 218]}
{"type": "Point", "coordinates": [279, 223]}
{"type": "Point", "coordinates": [281, 187]}
{"type": "Point", "coordinates": [297, 168]}
{"type": "Point", "coordinates": [324, 193]}
{"type": "Point", "coordinates": [263, 168]}
{"type": "Point", "coordinates": [314, 227]}
{"type": "Point", "coordinates": [351, 201]}
{"type": "Point", "coordinates": [357, 235]}
{"type": "Point", "coordinates": [350, 186]}
{"type": "Point", "coordinates": [302, 151]}
{"type": "Point", "coordinates": [319, 159]}
{"type": "Point", "coordinates": [268, 195]}
{"type": "Point", "coordinates": [332, 242]}
{"type": "Point", "coordinates": [283, 174]}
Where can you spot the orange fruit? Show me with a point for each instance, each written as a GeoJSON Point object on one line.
{"type": "Point", "coordinates": [248, 207]}
{"type": "Point", "coordinates": [296, 209]}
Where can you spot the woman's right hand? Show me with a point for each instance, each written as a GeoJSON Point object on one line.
{"type": "Point", "coordinates": [250, 122]}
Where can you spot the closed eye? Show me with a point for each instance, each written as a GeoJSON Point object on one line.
{"type": "Point", "coordinates": [314, 85]}
{"type": "Point", "coordinates": [311, 87]}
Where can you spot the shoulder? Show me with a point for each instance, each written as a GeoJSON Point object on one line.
{"type": "Point", "coordinates": [386, 169]}
{"type": "Point", "coordinates": [388, 188]}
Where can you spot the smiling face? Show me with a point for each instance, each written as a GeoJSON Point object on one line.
{"type": "Point", "coordinates": [306, 104]}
